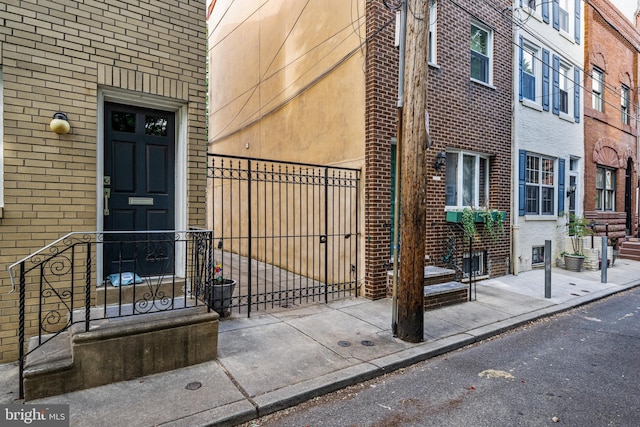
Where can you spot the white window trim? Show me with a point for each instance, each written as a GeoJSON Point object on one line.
{"type": "Point", "coordinates": [601, 93]}
{"type": "Point", "coordinates": [459, 179]}
{"type": "Point", "coordinates": [624, 109]}
{"type": "Point", "coordinates": [489, 32]}
{"type": "Point", "coordinates": [570, 14]}
{"type": "Point", "coordinates": [534, 12]}
{"type": "Point", "coordinates": [540, 215]}
{"type": "Point", "coordinates": [433, 30]}
{"type": "Point", "coordinates": [605, 191]}
{"type": "Point", "coordinates": [537, 73]}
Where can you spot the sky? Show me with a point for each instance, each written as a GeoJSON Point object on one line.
{"type": "Point", "coordinates": [627, 7]}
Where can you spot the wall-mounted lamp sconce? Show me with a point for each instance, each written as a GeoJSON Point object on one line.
{"type": "Point", "coordinates": [570, 190]}
{"type": "Point", "coordinates": [441, 160]}
{"type": "Point", "coordinates": [59, 124]}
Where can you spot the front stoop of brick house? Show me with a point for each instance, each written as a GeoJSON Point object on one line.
{"type": "Point", "coordinates": [120, 349]}
{"type": "Point", "coordinates": [440, 288]}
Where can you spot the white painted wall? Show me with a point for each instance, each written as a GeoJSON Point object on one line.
{"type": "Point", "coordinates": [544, 133]}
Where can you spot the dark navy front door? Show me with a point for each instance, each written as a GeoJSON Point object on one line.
{"type": "Point", "coordinates": [139, 188]}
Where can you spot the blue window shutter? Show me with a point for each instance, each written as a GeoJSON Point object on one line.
{"type": "Point", "coordinates": [545, 79]}
{"type": "Point", "coordinates": [556, 15]}
{"type": "Point", "coordinates": [561, 194]}
{"type": "Point", "coordinates": [577, 29]}
{"type": "Point", "coordinates": [522, 184]}
{"type": "Point", "coordinates": [520, 68]}
{"type": "Point", "coordinates": [556, 85]}
{"type": "Point", "coordinates": [545, 12]}
{"type": "Point", "coordinates": [576, 95]}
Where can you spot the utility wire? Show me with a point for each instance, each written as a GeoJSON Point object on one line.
{"type": "Point", "coordinates": [252, 88]}
{"type": "Point", "coordinates": [510, 38]}
{"type": "Point", "coordinates": [268, 67]}
{"type": "Point", "coordinates": [606, 85]}
{"type": "Point", "coordinates": [308, 85]}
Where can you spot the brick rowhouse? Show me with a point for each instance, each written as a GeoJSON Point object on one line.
{"type": "Point", "coordinates": [464, 114]}
{"type": "Point", "coordinates": [612, 45]}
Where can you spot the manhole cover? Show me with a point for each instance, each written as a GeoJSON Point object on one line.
{"type": "Point", "coordinates": [367, 343]}
{"type": "Point", "coordinates": [194, 385]}
{"type": "Point", "coordinates": [344, 343]}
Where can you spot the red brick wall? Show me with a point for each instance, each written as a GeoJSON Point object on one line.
{"type": "Point", "coordinates": [381, 119]}
{"type": "Point", "coordinates": [604, 130]}
{"type": "Point", "coordinates": [463, 114]}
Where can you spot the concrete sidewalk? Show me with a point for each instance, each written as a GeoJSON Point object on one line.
{"type": "Point", "coordinates": [274, 360]}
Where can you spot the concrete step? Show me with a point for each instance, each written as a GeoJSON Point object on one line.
{"type": "Point", "coordinates": [444, 294]}
{"type": "Point", "coordinates": [119, 349]}
{"type": "Point", "coordinates": [630, 249]}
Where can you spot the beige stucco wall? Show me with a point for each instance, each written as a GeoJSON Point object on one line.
{"type": "Point", "coordinates": [287, 80]}
{"type": "Point", "coordinates": [69, 56]}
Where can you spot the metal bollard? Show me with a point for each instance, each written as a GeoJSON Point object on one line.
{"type": "Point", "coordinates": [547, 268]}
{"type": "Point", "coordinates": [604, 263]}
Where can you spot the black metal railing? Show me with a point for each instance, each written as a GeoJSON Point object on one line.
{"type": "Point", "coordinates": [139, 272]}
{"type": "Point", "coordinates": [286, 233]}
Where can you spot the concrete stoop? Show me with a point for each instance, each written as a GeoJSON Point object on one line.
{"type": "Point", "coordinates": [630, 249]}
{"type": "Point", "coordinates": [440, 288]}
{"type": "Point", "coordinates": [120, 349]}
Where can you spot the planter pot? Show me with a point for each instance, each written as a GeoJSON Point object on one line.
{"type": "Point", "coordinates": [219, 296]}
{"type": "Point", "coordinates": [573, 262]}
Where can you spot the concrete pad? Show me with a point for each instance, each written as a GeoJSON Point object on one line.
{"type": "Point", "coordinates": [436, 327]}
{"type": "Point", "coordinates": [237, 322]}
{"type": "Point", "coordinates": [9, 383]}
{"type": "Point", "coordinates": [508, 302]}
{"type": "Point", "coordinates": [471, 316]}
{"type": "Point", "coordinates": [269, 357]}
{"type": "Point", "coordinates": [377, 313]}
{"type": "Point", "coordinates": [332, 327]}
{"type": "Point", "coordinates": [164, 395]}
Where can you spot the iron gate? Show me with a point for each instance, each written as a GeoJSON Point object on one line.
{"type": "Point", "coordinates": [286, 233]}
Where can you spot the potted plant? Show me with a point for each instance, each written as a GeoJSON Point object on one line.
{"type": "Point", "coordinates": [577, 229]}
{"type": "Point", "coordinates": [219, 291]}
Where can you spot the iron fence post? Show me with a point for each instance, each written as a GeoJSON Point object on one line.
{"type": "Point", "coordinates": [87, 304]}
{"type": "Point", "coordinates": [326, 229]}
{"type": "Point", "coordinates": [250, 234]}
{"type": "Point", "coordinates": [23, 295]}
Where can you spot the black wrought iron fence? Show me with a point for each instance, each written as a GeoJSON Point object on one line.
{"type": "Point", "coordinates": [285, 233]}
{"type": "Point", "coordinates": [139, 272]}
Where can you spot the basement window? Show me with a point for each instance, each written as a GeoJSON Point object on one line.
{"type": "Point", "coordinates": [537, 255]}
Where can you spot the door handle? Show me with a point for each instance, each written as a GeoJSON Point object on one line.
{"type": "Point", "coordinates": [107, 194]}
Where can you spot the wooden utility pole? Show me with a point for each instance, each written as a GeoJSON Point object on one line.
{"type": "Point", "coordinates": [410, 323]}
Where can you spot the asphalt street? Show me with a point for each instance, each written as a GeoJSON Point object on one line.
{"type": "Point", "coordinates": [579, 368]}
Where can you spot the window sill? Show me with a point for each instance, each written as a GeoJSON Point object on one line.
{"type": "Point", "coordinates": [433, 65]}
{"type": "Point", "coordinates": [480, 82]}
{"type": "Point", "coordinates": [531, 104]}
{"type": "Point", "coordinates": [567, 117]}
{"type": "Point", "coordinates": [541, 217]}
{"type": "Point", "coordinates": [567, 36]}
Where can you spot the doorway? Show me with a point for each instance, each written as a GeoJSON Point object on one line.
{"type": "Point", "coordinates": [138, 186]}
